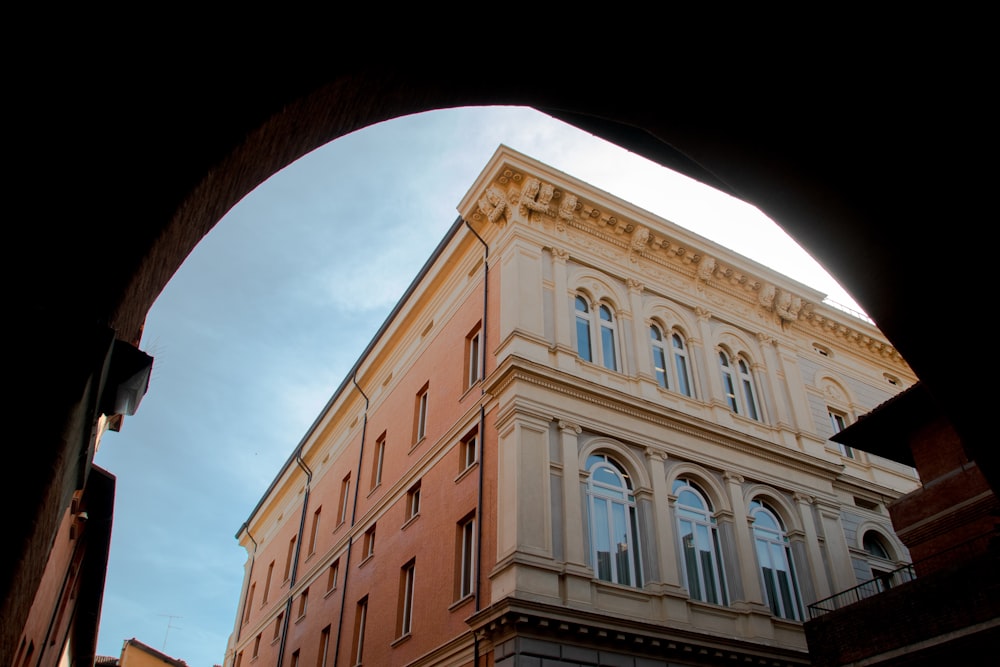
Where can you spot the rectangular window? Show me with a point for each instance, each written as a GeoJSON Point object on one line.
{"type": "Point", "coordinates": [256, 646]}
{"type": "Point", "coordinates": [324, 647]}
{"type": "Point", "coordinates": [277, 625]}
{"type": "Point", "coordinates": [465, 557]}
{"type": "Point", "coordinates": [405, 611]}
{"type": "Point", "coordinates": [379, 457]}
{"type": "Point", "coordinates": [295, 659]}
{"type": "Point", "coordinates": [290, 558]}
{"type": "Point", "coordinates": [332, 574]}
{"type": "Point", "coordinates": [839, 422]}
{"type": "Point", "coordinates": [267, 582]}
{"type": "Point", "coordinates": [345, 498]}
{"type": "Point", "coordinates": [468, 451]}
{"type": "Point", "coordinates": [473, 358]}
{"type": "Point", "coordinates": [314, 531]}
{"type": "Point", "coordinates": [303, 602]}
{"type": "Point", "coordinates": [369, 542]}
{"type": "Point", "coordinates": [239, 659]}
{"type": "Point", "coordinates": [413, 501]}
{"type": "Point", "coordinates": [246, 613]}
{"type": "Point", "coordinates": [360, 619]}
{"type": "Point", "coordinates": [420, 422]}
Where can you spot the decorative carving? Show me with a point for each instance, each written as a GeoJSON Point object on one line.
{"type": "Point", "coordinates": [569, 426]}
{"type": "Point", "coordinates": [560, 253]}
{"type": "Point", "coordinates": [634, 284]}
{"type": "Point", "coordinates": [787, 306]}
{"type": "Point", "coordinates": [493, 205]}
{"type": "Point", "coordinates": [733, 477]}
{"type": "Point", "coordinates": [639, 239]}
{"type": "Point", "coordinates": [706, 268]}
{"type": "Point", "coordinates": [535, 196]}
{"type": "Point", "coordinates": [567, 210]}
{"type": "Point", "coordinates": [702, 314]}
{"type": "Point", "coordinates": [766, 296]}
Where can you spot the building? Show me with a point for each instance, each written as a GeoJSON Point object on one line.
{"type": "Point", "coordinates": [945, 606]}
{"type": "Point", "coordinates": [584, 434]}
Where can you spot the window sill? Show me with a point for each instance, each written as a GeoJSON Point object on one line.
{"type": "Point", "coordinates": [462, 475]}
{"type": "Point", "coordinates": [367, 558]}
{"type": "Point", "coordinates": [410, 520]}
{"type": "Point", "coordinates": [399, 640]}
{"type": "Point", "coordinates": [461, 602]}
{"type": "Point", "coordinates": [416, 444]}
{"type": "Point", "coordinates": [327, 594]}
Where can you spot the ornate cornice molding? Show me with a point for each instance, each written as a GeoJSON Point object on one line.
{"type": "Point", "coordinates": [517, 195]}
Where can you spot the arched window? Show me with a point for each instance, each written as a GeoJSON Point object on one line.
{"type": "Point", "coordinates": [880, 562]}
{"type": "Point", "coordinates": [605, 327]}
{"type": "Point", "coordinates": [675, 376]}
{"type": "Point", "coordinates": [774, 557]}
{"type": "Point", "coordinates": [614, 525]}
{"type": "Point", "coordinates": [700, 549]}
{"type": "Point", "coordinates": [741, 392]}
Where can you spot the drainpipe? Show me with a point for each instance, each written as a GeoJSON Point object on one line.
{"type": "Point", "coordinates": [354, 509]}
{"type": "Point", "coordinates": [295, 558]}
{"type": "Point", "coordinates": [253, 559]}
{"type": "Point", "coordinates": [482, 436]}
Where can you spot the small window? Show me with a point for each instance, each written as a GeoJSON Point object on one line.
{"type": "Point", "coordinates": [277, 625]}
{"type": "Point", "coordinates": [324, 647]}
{"type": "Point", "coordinates": [404, 623]}
{"type": "Point", "coordinates": [468, 451]}
{"type": "Point", "coordinates": [891, 379]}
{"type": "Point", "coordinates": [345, 498]}
{"type": "Point", "coordinates": [413, 502]}
{"type": "Point", "coordinates": [473, 357]}
{"type": "Point", "coordinates": [246, 613]}
{"type": "Point", "coordinates": [290, 558]}
{"type": "Point", "coordinates": [822, 350]}
{"type": "Point", "coordinates": [295, 659]}
{"type": "Point", "coordinates": [369, 544]}
{"type": "Point", "coordinates": [838, 421]}
{"type": "Point", "coordinates": [377, 460]}
{"type": "Point", "coordinates": [303, 602]}
{"type": "Point", "coordinates": [739, 385]}
{"type": "Point", "coordinates": [313, 531]}
{"type": "Point", "coordinates": [267, 582]}
{"type": "Point", "coordinates": [239, 659]}
{"type": "Point", "coordinates": [360, 620]}
{"type": "Point", "coordinates": [420, 420]}
{"type": "Point", "coordinates": [256, 646]}
{"type": "Point", "coordinates": [465, 556]}
{"type": "Point", "coordinates": [672, 369]}
{"type": "Point", "coordinates": [332, 574]}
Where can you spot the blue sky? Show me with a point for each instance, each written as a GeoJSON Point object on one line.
{"type": "Point", "coordinates": [265, 318]}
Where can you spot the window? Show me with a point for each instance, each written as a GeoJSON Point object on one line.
{"type": "Point", "coordinates": [880, 561]}
{"type": "Point", "coordinates": [405, 612]}
{"type": "Point", "coordinates": [420, 423]}
{"type": "Point", "coordinates": [379, 457]}
{"type": "Point", "coordinates": [466, 547]}
{"type": "Point", "coordinates": [315, 528]}
{"type": "Point", "coordinates": [277, 626]}
{"type": "Point", "coordinates": [246, 613]}
{"type": "Point", "coordinates": [239, 659]}
{"type": "Point", "coordinates": [332, 574]}
{"type": "Point", "coordinates": [295, 659]}
{"type": "Point", "coordinates": [839, 422]}
{"type": "Point", "coordinates": [468, 450]}
{"type": "Point", "coordinates": [738, 383]}
{"type": "Point", "coordinates": [604, 325]}
{"type": "Point", "coordinates": [345, 498]}
{"type": "Point", "coordinates": [267, 582]}
{"type": "Point", "coordinates": [360, 619]}
{"type": "Point", "coordinates": [256, 646]}
{"type": "Point", "coordinates": [473, 357]}
{"type": "Point", "coordinates": [613, 522]}
{"type": "Point", "coordinates": [700, 548]}
{"type": "Point", "coordinates": [413, 501]}
{"type": "Point", "coordinates": [324, 647]}
{"type": "Point", "coordinates": [677, 375]}
{"type": "Point", "coordinates": [303, 602]}
{"type": "Point", "coordinates": [369, 544]}
{"type": "Point", "coordinates": [289, 558]}
{"type": "Point", "coordinates": [774, 557]}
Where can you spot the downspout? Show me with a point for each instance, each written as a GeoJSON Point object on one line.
{"type": "Point", "coordinates": [482, 436]}
{"type": "Point", "coordinates": [354, 509]}
{"type": "Point", "coordinates": [253, 559]}
{"type": "Point", "coordinates": [295, 559]}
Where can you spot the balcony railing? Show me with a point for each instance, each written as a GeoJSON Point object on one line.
{"type": "Point", "coordinates": [900, 576]}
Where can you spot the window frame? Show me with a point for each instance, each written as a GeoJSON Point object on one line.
{"type": "Point", "coordinates": [465, 547]}
{"type": "Point", "coordinates": [671, 360]}
{"type": "Point", "coordinates": [378, 460]}
{"type": "Point", "coordinates": [360, 623]}
{"type": "Point", "coordinates": [600, 523]}
{"type": "Point", "coordinates": [473, 357]}
{"type": "Point", "coordinates": [740, 385]}
{"type": "Point", "coordinates": [838, 421]}
{"type": "Point", "coordinates": [404, 623]}
{"type": "Point", "coordinates": [707, 586]}
{"type": "Point", "coordinates": [333, 575]}
{"type": "Point", "coordinates": [369, 543]}
{"type": "Point", "coordinates": [413, 502]}
{"type": "Point", "coordinates": [772, 543]}
{"type": "Point", "coordinates": [420, 414]}
{"type": "Point", "coordinates": [469, 450]}
{"type": "Point", "coordinates": [345, 498]}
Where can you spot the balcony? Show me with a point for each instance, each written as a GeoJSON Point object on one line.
{"type": "Point", "coordinates": [943, 608]}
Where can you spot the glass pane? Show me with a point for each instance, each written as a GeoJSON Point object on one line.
{"type": "Point", "coordinates": [608, 348]}
{"type": "Point", "coordinates": [708, 572]}
{"type": "Point", "coordinates": [660, 366]}
{"type": "Point", "coordinates": [682, 375]}
{"type": "Point", "coordinates": [689, 498]}
{"type": "Point", "coordinates": [605, 313]}
{"type": "Point", "coordinates": [621, 537]}
{"type": "Point", "coordinates": [601, 535]}
{"type": "Point", "coordinates": [583, 339]}
{"type": "Point", "coordinates": [654, 333]}
{"type": "Point", "coordinates": [751, 402]}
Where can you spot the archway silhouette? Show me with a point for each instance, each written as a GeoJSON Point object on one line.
{"type": "Point", "coordinates": [155, 165]}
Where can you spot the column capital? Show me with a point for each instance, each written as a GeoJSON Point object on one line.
{"type": "Point", "coordinates": [733, 477]}
{"type": "Point", "coordinates": [569, 426]}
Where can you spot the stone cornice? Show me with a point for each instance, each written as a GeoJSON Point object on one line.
{"type": "Point", "coordinates": [520, 190]}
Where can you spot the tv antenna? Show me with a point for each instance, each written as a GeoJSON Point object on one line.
{"type": "Point", "coordinates": [170, 620]}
